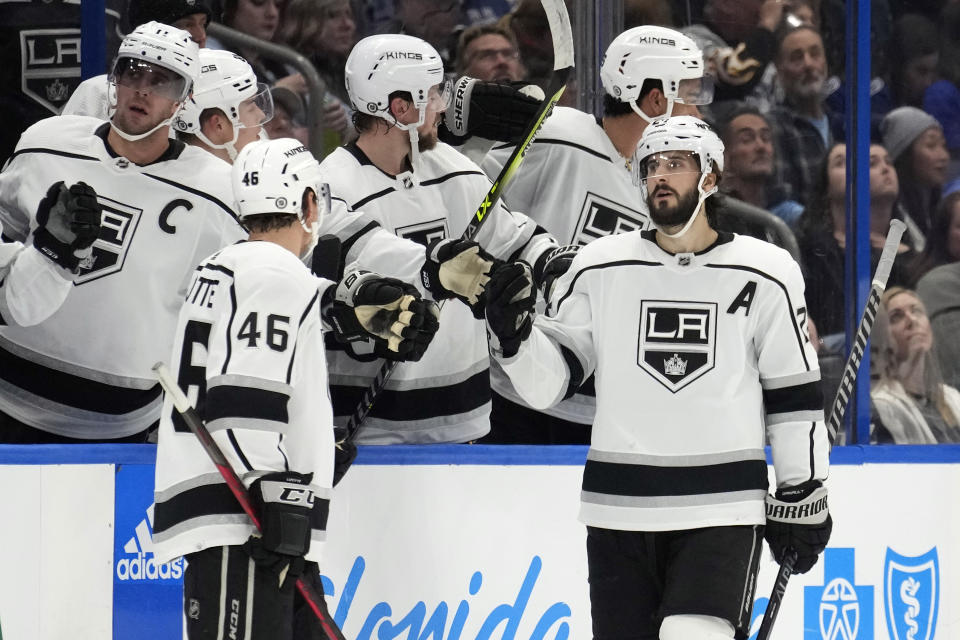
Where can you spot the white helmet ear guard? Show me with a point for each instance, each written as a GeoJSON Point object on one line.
{"type": "Point", "coordinates": [656, 53]}
{"type": "Point", "coordinates": [681, 133]}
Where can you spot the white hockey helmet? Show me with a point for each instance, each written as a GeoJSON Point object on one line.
{"type": "Point", "coordinates": [227, 82]}
{"type": "Point", "coordinates": [656, 53]}
{"type": "Point", "coordinates": [164, 46]}
{"type": "Point", "coordinates": [382, 64]}
{"type": "Point", "coordinates": [681, 133]}
{"type": "Point", "coordinates": [272, 176]}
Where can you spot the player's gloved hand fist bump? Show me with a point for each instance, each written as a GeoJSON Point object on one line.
{"type": "Point", "coordinates": [494, 110]}
{"type": "Point", "coordinates": [556, 264]}
{"type": "Point", "coordinates": [390, 311]}
{"type": "Point", "coordinates": [457, 269]}
{"type": "Point", "coordinates": [68, 223]}
{"type": "Point", "coordinates": [510, 300]}
{"type": "Point", "coordinates": [798, 520]}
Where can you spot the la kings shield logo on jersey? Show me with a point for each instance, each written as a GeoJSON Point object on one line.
{"type": "Point", "coordinates": [601, 217]}
{"type": "Point", "coordinates": [118, 224]}
{"type": "Point", "coordinates": [677, 341]}
{"type": "Point", "coordinates": [424, 232]}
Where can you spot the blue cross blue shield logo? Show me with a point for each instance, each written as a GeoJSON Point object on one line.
{"type": "Point", "coordinates": [840, 609]}
{"type": "Point", "coordinates": [911, 594]}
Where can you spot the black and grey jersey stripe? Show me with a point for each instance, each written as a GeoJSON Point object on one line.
{"type": "Point", "coordinates": [207, 500]}
{"type": "Point", "coordinates": [651, 481]}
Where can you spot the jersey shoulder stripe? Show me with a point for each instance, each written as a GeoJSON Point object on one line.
{"type": "Point", "coordinates": [373, 196]}
{"type": "Point", "coordinates": [605, 265]}
{"type": "Point", "coordinates": [574, 145]}
{"type": "Point", "coordinates": [454, 174]}
{"type": "Point", "coordinates": [197, 192]}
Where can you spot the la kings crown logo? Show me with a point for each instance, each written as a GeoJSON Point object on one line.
{"type": "Point", "coordinates": [677, 341]}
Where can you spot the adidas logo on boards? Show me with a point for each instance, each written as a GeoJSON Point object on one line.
{"type": "Point", "coordinates": [140, 564]}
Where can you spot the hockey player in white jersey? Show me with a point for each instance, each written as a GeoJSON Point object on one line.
{"type": "Point", "coordinates": [84, 373]}
{"type": "Point", "coordinates": [249, 350]}
{"type": "Point", "coordinates": [36, 278]}
{"type": "Point", "coordinates": [425, 191]}
{"type": "Point", "coordinates": [700, 350]}
{"type": "Point", "coordinates": [577, 182]}
{"type": "Point", "coordinates": [227, 108]}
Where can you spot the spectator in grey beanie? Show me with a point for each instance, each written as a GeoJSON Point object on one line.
{"type": "Point", "coordinates": [918, 149]}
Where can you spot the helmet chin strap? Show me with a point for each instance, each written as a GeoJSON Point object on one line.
{"type": "Point", "coordinates": [230, 147]}
{"type": "Point", "coordinates": [131, 137]}
{"type": "Point", "coordinates": [639, 111]}
{"type": "Point", "coordinates": [696, 209]}
{"type": "Point", "coordinates": [411, 129]}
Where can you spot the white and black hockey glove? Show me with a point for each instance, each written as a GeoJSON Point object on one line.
{"type": "Point", "coordinates": [284, 502]}
{"type": "Point", "coordinates": [557, 263]}
{"type": "Point", "coordinates": [458, 269]}
{"type": "Point", "coordinates": [510, 300]}
{"type": "Point", "coordinates": [491, 110]}
{"type": "Point", "coordinates": [68, 223]}
{"type": "Point", "coordinates": [798, 521]}
{"type": "Point", "coordinates": [386, 310]}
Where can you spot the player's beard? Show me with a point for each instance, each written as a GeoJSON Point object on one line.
{"type": "Point", "coordinates": [666, 216]}
{"type": "Point", "coordinates": [427, 141]}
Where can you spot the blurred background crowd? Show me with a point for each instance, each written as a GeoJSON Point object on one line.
{"type": "Point", "coordinates": [779, 107]}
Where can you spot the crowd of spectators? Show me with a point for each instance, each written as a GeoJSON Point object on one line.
{"type": "Point", "coordinates": [779, 106]}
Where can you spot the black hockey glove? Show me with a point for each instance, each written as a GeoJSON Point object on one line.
{"type": "Point", "coordinates": [798, 520]}
{"type": "Point", "coordinates": [284, 502]}
{"type": "Point", "coordinates": [68, 223]}
{"type": "Point", "coordinates": [458, 269]}
{"type": "Point", "coordinates": [510, 300]}
{"type": "Point", "coordinates": [492, 110]}
{"type": "Point", "coordinates": [386, 310]}
{"type": "Point", "coordinates": [556, 264]}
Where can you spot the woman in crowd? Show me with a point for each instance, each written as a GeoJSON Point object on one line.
{"type": "Point", "coordinates": [911, 405]}
{"type": "Point", "coordinates": [943, 241]}
{"type": "Point", "coordinates": [918, 149]}
{"type": "Point", "coordinates": [822, 233]}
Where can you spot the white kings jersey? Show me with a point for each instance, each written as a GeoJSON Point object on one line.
{"type": "Point", "coordinates": [578, 187]}
{"type": "Point", "coordinates": [249, 354]}
{"type": "Point", "coordinates": [445, 397]}
{"type": "Point", "coordinates": [31, 285]}
{"type": "Point", "coordinates": [696, 356]}
{"type": "Point", "coordinates": [85, 372]}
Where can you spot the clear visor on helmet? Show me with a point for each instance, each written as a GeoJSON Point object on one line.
{"type": "Point", "coordinates": [695, 90]}
{"type": "Point", "coordinates": [148, 77]}
{"type": "Point", "coordinates": [440, 95]}
{"type": "Point", "coordinates": [668, 163]}
{"type": "Point", "coordinates": [256, 110]}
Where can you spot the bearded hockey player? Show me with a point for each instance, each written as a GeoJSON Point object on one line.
{"type": "Point", "coordinates": [228, 107]}
{"type": "Point", "coordinates": [249, 348]}
{"type": "Point", "coordinates": [577, 182]}
{"type": "Point", "coordinates": [425, 191]}
{"type": "Point", "coordinates": [84, 373]}
{"type": "Point", "coordinates": [698, 342]}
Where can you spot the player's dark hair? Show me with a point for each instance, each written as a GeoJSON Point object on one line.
{"type": "Point", "coordinates": [363, 122]}
{"type": "Point", "coordinates": [613, 107]}
{"type": "Point", "coordinates": [276, 221]}
{"type": "Point", "coordinates": [205, 115]}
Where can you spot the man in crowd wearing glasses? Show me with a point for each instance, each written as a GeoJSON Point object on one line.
{"type": "Point", "coordinates": [84, 374]}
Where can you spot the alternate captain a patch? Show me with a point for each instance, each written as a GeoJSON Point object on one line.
{"type": "Point", "coordinates": [677, 342]}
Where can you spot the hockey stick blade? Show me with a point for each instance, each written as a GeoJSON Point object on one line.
{"type": "Point", "coordinates": [237, 488]}
{"type": "Point", "coordinates": [846, 388]}
{"type": "Point", "coordinates": [562, 35]}
{"type": "Point", "coordinates": [842, 399]}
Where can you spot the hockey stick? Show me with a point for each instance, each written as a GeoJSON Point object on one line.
{"type": "Point", "coordinates": [842, 399]}
{"type": "Point", "coordinates": [562, 33]}
{"type": "Point", "coordinates": [195, 422]}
